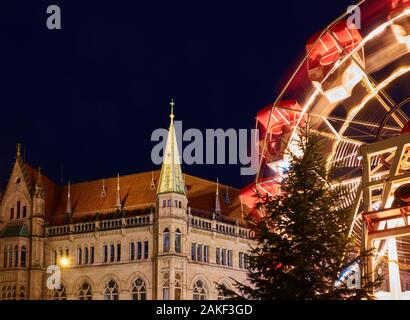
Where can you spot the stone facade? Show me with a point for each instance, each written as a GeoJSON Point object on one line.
{"type": "Point", "coordinates": [116, 244]}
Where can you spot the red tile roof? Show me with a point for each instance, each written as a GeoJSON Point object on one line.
{"type": "Point", "coordinates": [86, 198]}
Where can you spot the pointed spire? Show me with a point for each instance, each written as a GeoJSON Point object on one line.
{"type": "Point", "coordinates": [18, 150]}
{"type": "Point", "coordinates": [38, 180]}
{"type": "Point", "coordinates": [217, 202]}
{"type": "Point", "coordinates": [171, 179]}
{"type": "Point", "coordinates": [69, 209]}
{"type": "Point", "coordinates": [227, 197]}
{"type": "Point", "coordinates": [118, 196]}
{"type": "Point", "coordinates": [39, 185]}
{"type": "Point", "coordinates": [152, 186]}
{"type": "Point", "coordinates": [103, 190]}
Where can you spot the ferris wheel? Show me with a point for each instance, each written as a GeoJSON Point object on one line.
{"type": "Point", "coordinates": [353, 86]}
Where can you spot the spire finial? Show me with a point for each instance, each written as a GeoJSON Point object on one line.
{"type": "Point", "coordinates": [170, 179]}
{"type": "Point", "coordinates": [217, 202]}
{"type": "Point", "coordinates": [172, 104]}
{"type": "Point", "coordinates": [152, 186]}
{"type": "Point", "coordinates": [18, 150]}
{"type": "Point", "coordinates": [69, 209]}
{"type": "Point", "coordinates": [38, 182]}
{"type": "Point", "coordinates": [103, 190]}
{"type": "Point", "coordinates": [118, 196]}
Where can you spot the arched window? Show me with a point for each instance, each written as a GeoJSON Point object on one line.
{"type": "Point", "coordinates": [16, 256]}
{"type": "Point", "coordinates": [85, 255]}
{"type": "Point", "coordinates": [85, 292]}
{"type": "Point", "coordinates": [111, 290]}
{"type": "Point", "coordinates": [3, 293]}
{"type": "Point", "coordinates": [138, 290]}
{"type": "Point", "coordinates": [23, 256]}
{"type": "Point", "coordinates": [22, 293]}
{"type": "Point", "coordinates": [79, 256]}
{"type": "Point", "coordinates": [178, 241]}
{"type": "Point", "coordinates": [199, 291]}
{"type": "Point", "coordinates": [165, 236]}
{"type": "Point", "coordinates": [5, 258]}
{"type": "Point", "coordinates": [221, 292]}
{"type": "Point", "coordinates": [10, 256]}
{"type": "Point", "coordinates": [61, 294]}
{"type": "Point", "coordinates": [112, 253]}
{"type": "Point", "coordinates": [54, 257]}
{"type": "Point", "coordinates": [178, 286]}
{"type": "Point", "coordinates": [13, 293]}
{"type": "Point", "coordinates": [165, 286]}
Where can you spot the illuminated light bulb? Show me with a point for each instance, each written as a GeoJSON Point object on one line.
{"type": "Point", "coordinates": [351, 77]}
{"type": "Point", "coordinates": [376, 205]}
{"type": "Point", "coordinates": [64, 262]}
{"type": "Point", "coordinates": [401, 35]}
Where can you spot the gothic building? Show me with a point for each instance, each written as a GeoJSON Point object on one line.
{"type": "Point", "coordinates": [151, 235]}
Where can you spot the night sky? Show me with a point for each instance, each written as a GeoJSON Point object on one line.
{"type": "Point", "coordinates": [84, 100]}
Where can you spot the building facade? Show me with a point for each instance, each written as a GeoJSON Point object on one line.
{"type": "Point", "coordinates": [152, 235]}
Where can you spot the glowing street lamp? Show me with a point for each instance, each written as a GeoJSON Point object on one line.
{"type": "Point", "coordinates": [64, 262]}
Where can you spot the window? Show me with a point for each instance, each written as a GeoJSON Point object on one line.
{"type": "Point", "coordinates": [23, 256]}
{"type": "Point", "coordinates": [176, 203]}
{"type": "Point", "coordinates": [246, 261]}
{"type": "Point", "coordinates": [10, 256]}
{"type": "Point", "coordinates": [18, 209]}
{"type": "Point", "coordinates": [112, 253]}
{"type": "Point", "coordinates": [139, 250]}
{"type": "Point", "coordinates": [206, 254]}
{"type": "Point", "coordinates": [165, 236]}
{"type": "Point", "coordinates": [178, 286]}
{"type": "Point", "coordinates": [223, 257]}
{"type": "Point", "coordinates": [111, 290]}
{"type": "Point", "coordinates": [164, 203]}
{"type": "Point", "coordinates": [199, 291]}
{"type": "Point", "coordinates": [138, 290]}
{"type": "Point", "coordinates": [178, 241]}
{"type": "Point", "coordinates": [180, 204]}
{"type": "Point", "coordinates": [105, 253]}
{"type": "Point", "coordinates": [118, 251]}
{"type": "Point", "coordinates": [60, 294]}
{"type": "Point", "coordinates": [145, 249]}
{"type": "Point", "coordinates": [5, 258]}
{"type": "Point", "coordinates": [24, 211]}
{"type": "Point", "coordinates": [165, 286]}
{"type": "Point", "coordinates": [85, 292]}
{"type": "Point", "coordinates": [229, 258]}
{"type": "Point", "coordinates": [22, 293]}
{"type": "Point", "coordinates": [221, 292]}
{"type": "Point", "coordinates": [79, 256]}
{"type": "Point", "coordinates": [85, 255]}
{"type": "Point", "coordinates": [92, 255]}
{"type": "Point", "coordinates": [199, 252]}
{"type": "Point", "coordinates": [218, 255]}
{"type": "Point", "coordinates": [241, 260]}
{"type": "Point", "coordinates": [132, 251]}
{"type": "Point", "coordinates": [54, 257]}
{"type": "Point", "coordinates": [11, 213]}
{"type": "Point", "coordinates": [169, 203]}
{"type": "Point", "coordinates": [16, 256]}
{"type": "Point", "coordinates": [193, 251]}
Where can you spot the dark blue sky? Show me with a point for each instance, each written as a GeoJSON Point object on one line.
{"type": "Point", "coordinates": [88, 96]}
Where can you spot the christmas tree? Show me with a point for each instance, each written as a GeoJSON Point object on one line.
{"type": "Point", "coordinates": [302, 237]}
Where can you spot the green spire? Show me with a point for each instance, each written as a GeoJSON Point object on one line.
{"type": "Point", "coordinates": [171, 179]}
